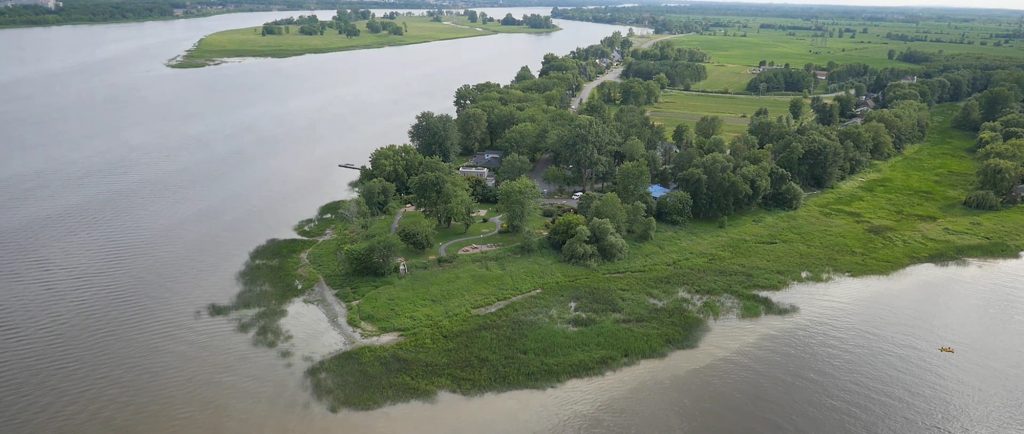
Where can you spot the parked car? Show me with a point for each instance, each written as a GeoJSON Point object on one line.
{"type": "Point", "coordinates": [577, 195]}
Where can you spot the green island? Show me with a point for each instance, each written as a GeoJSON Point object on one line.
{"type": "Point", "coordinates": [351, 30]}
{"type": "Point", "coordinates": [465, 265]}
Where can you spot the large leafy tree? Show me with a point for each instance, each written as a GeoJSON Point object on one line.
{"type": "Point", "coordinates": [631, 182]}
{"type": "Point", "coordinates": [435, 135]}
{"type": "Point", "coordinates": [472, 127]}
{"type": "Point", "coordinates": [396, 164]}
{"type": "Point", "coordinates": [584, 145]}
{"type": "Point", "coordinates": [513, 166]}
{"type": "Point", "coordinates": [517, 201]}
{"type": "Point", "coordinates": [444, 196]}
{"type": "Point", "coordinates": [377, 194]}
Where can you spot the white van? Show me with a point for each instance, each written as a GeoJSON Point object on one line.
{"type": "Point", "coordinates": [577, 195]}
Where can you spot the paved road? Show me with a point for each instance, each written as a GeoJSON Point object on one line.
{"type": "Point", "coordinates": [612, 74]}
{"type": "Point", "coordinates": [443, 250]}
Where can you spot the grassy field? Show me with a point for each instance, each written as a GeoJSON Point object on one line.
{"type": "Point", "coordinates": [588, 320]}
{"type": "Point", "coordinates": [676, 107]}
{"type": "Point", "coordinates": [725, 78]}
{"type": "Point", "coordinates": [732, 55]}
{"type": "Point", "coordinates": [871, 48]}
{"type": "Point", "coordinates": [248, 42]}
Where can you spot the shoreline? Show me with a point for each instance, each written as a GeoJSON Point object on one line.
{"type": "Point", "coordinates": [189, 59]}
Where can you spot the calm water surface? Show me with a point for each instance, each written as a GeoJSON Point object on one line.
{"type": "Point", "coordinates": [130, 194]}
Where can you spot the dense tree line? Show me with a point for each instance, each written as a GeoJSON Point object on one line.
{"type": "Point", "coordinates": [677, 67]}
{"type": "Point", "coordinates": [97, 11]}
{"type": "Point", "coordinates": [651, 17]}
{"type": "Point", "coordinates": [781, 80]}
{"type": "Point", "coordinates": [997, 115]}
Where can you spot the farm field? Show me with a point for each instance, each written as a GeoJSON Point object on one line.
{"type": "Point", "coordinates": [676, 107]}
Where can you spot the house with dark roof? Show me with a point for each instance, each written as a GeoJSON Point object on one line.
{"type": "Point", "coordinates": [488, 159]}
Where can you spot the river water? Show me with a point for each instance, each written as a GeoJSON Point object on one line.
{"type": "Point", "coordinates": [130, 194]}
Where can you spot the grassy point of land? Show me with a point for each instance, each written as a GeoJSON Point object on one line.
{"type": "Point", "coordinates": [588, 320]}
{"type": "Point", "coordinates": [248, 42]}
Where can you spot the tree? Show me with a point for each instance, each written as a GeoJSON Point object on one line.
{"type": "Point", "coordinates": [797, 106]}
{"type": "Point", "coordinates": [999, 176]}
{"type": "Point", "coordinates": [994, 103]}
{"type": "Point", "coordinates": [633, 150]}
{"type": "Point", "coordinates": [377, 194]}
{"type": "Point", "coordinates": [523, 75]}
{"type": "Point", "coordinates": [577, 249]}
{"type": "Point", "coordinates": [472, 127]}
{"type": "Point", "coordinates": [444, 196]}
{"type": "Point", "coordinates": [892, 54]}
{"type": "Point", "coordinates": [969, 116]}
{"type": "Point", "coordinates": [416, 233]}
{"type": "Point", "coordinates": [435, 135]}
{"type": "Point", "coordinates": [609, 207]}
{"type": "Point", "coordinates": [610, 244]}
{"type": "Point", "coordinates": [675, 207]}
{"type": "Point", "coordinates": [631, 181]}
{"type": "Point", "coordinates": [564, 228]}
{"type": "Point", "coordinates": [471, 15]}
{"type": "Point", "coordinates": [517, 201]}
{"type": "Point", "coordinates": [584, 146]}
{"type": "Point", "coordinates": [373, 26]}
{"type": "Point", "coordinates": [513, 166]}
{"type": "Point", "coordinates": [682, 135]}
{"type": "Point", "coordinates": [709, 126]}
{"type": "Point", "coordinates": [373, 257]}
{"type": "Point", "coordinates": [396, 164]}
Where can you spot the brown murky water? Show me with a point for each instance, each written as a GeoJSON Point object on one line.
{"type": "Point", "coordinates": [131, 193]}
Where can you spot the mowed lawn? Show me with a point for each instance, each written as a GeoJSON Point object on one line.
{"type": "Point", "coordinates": [735, 110]}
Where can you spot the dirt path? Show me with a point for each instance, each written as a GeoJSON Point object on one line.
{"type": "Point", "coordinates": [398, 218]}
{"type": "Point", "coordinates": [443, 250]}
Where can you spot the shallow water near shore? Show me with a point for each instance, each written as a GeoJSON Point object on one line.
{"type": "Point", "coordinates": [132, 192]}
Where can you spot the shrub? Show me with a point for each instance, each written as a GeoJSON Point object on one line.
{"type": "Point", "coordinates": [674, 207]}
{"type": "Point", "coordinates": [983, 200]}
{"type": "Point", "coordinates": [418, 234]}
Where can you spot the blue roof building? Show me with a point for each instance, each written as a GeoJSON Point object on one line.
{"type": "Point", "coordinates": [657, 190]}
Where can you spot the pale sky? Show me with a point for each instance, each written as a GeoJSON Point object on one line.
{"type": "Point", "coordinates": [978, 4]}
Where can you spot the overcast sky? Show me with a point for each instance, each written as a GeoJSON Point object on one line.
{"type": "Point", "coordinates": [997, 4]}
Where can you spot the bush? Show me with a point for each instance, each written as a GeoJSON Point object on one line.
{"type": "Point", "coordinates": [674, 207]}
{"type": "Point", "coordinates": [447, 259]}
{"type": "Point", "coordinates": [983, 200]}
{"type": "Point", "coordinates": [418, 234]}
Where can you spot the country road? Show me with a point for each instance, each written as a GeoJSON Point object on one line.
{"type": "Point", "coordinates": [612, 74]}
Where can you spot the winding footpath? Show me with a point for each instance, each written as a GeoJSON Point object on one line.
{"type": "Point", "coordinates": [443, 250]}
{"type": "Point", "coordinates": [613, 74]}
